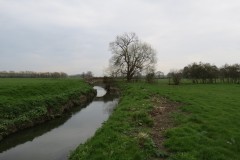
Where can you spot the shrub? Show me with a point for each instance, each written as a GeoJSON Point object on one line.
{"type": "Point", "coordinates": [176, 77]}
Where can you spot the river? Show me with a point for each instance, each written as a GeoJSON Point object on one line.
{"type": "Point", "coordinates": [54, 140]}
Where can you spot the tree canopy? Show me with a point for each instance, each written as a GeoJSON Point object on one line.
{"type": "Point", "coordinates": [131, 56]}
{"type": "Point", "coordinates": [207, 73]}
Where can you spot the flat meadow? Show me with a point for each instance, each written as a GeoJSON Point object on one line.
{"type": "Point", "coordinates": [205, 126]}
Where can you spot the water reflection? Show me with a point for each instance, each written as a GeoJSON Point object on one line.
{"type": "Point", "coordinates": [55, 139]}
{"type": "Point", "coordinates": [30, 134]}
{"type": "Point", "coordinates": [100, 91]}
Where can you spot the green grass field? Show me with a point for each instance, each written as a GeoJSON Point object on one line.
{"type": "Point", "coordinates": [23, 100]}
{"type": "Point", "coordinates": [207, 126]}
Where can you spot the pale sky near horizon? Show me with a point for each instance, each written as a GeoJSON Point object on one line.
{"type": "Point", "coordinates": [73, 36]}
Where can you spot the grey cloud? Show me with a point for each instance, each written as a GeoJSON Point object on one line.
{"type": "Point", "coordinates": [73, 35]}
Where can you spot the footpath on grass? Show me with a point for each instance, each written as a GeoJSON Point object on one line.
{"type": "Point", "coordinates": [160, 121]}
{"type": "Point", "coordinates": [27, 102]}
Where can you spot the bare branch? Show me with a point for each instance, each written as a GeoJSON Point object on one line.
{"type": "Point", "coordinates": [130, 55]}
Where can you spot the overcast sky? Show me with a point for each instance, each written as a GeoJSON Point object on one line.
{"type": "Point", "coordinates": [73, 35]}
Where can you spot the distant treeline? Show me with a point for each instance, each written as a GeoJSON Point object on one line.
{"type": "Point", "coordinates": [84, 75]}
{"type": "Point", "coordinates": [31, 74]}
{"type": "Point", "coordinates": [207, 73]}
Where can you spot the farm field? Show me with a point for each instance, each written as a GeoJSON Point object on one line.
{"type": "Point", "coordinates": [24, 102]}
{"type": "Point", "coordinates": [205, 126]}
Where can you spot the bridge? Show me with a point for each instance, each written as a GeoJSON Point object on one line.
{"type": "Point", "coordinates": [105, 82]}
{"type": "Point", "coordinates": [96, 81]}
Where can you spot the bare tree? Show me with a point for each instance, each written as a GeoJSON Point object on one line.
{"type": "Point", "coordinates": [176, 76]}
{"type": "Point", "coordinates": [208, 73]}
{"type": "Point", "coordinates": [89, 74]}
{"type": "Point", "coordinates": [159, 74]}
{"type": "Point", "coordinates": [131, 56]}
{"type": "Point", "coordinates": [150, 77]}
{"type": "Point", "coordinates": [113, 72]}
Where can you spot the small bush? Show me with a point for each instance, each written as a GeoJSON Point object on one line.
{"type": "Point", "coordinates": [150, 77]}
{"type": "Point", "coordinates": [176, 77]}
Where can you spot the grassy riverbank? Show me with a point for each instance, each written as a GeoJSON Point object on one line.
{"type": "Point", "coordinates": [26, 102]}
{"type": "Point", "coordinates": [205, 127]}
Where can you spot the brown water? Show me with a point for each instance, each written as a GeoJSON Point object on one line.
{"type": "Point", "coordinates": [55, 139]}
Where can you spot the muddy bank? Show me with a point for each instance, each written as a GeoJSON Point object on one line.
{"type": "Point", "coordinates": [50, 112]}
{"type": "Point", "coordinates": [161, 114]}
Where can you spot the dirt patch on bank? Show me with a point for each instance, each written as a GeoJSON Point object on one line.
{"type": "Point", "coordinates": [161, 114]}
